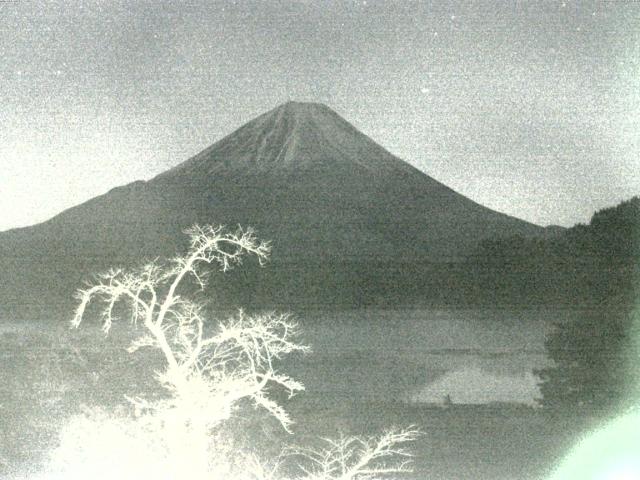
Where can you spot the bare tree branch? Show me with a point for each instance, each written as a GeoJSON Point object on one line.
{"type": "Point", "coordinates": [209, 369]}
{"type": "Point", "coordinates": [232, 364]}
{"type": "Point", "coordinates": [355, 458]}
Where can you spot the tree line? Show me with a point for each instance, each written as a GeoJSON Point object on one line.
{"type": "Point", "coordinates": [594, 268]}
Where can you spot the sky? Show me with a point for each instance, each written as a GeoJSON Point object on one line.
{"type": "Point", "coordinates": [530, 108]}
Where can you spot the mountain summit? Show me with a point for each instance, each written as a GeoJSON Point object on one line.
{"type": "Point", "coordinates": [338, 208]}
{"type": "Point", "coordinates": [292, 138]}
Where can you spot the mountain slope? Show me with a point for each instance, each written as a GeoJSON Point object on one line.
{"type": "Point", "coordinates": [326, 195]}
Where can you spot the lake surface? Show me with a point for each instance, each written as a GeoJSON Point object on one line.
{"type": "Point", "coordinates": [368, 369]}
{"type": "Point", "coordinates": [422, 355]}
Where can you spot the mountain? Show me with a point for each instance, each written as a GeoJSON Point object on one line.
{"type": "Point", "coordinates": [339, 209]}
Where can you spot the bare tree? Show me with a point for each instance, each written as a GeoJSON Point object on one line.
{"type": "Point", "coordinates": [209, 369]}
{"type": "Point", "coordinates": [355, 458]}
{"type": "Point", "coordinates": [202, 372]}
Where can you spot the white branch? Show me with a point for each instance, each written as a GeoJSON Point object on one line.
{"type": "Point", "coordinates": [236, 362]}
{"type": "Point", "coordinates": [354, 458]}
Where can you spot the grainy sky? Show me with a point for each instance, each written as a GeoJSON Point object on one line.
{"type": "Point", "coordinates": [531, 108]}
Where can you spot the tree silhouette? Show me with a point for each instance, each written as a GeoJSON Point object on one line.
{"type": "Point", "coordinates": [209, 372]}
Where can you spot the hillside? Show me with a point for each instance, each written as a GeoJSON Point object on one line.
{"type": "Point", "coordinates": [591, 264]}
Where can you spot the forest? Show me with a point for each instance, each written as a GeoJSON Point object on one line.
{"type": "Point", "coordinates": [594, 267]}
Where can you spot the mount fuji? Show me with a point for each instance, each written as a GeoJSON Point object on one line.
{"type": "Point", "coordinates": [345, 217]}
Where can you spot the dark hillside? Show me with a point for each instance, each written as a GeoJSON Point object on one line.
{"type": "Point", "coordinates": [584, 265]}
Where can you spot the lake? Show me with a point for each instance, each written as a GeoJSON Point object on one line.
{"type": "Point", "coordinates": [422, 355]}
{"type": "Point", "coordinates": [368, 369]}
